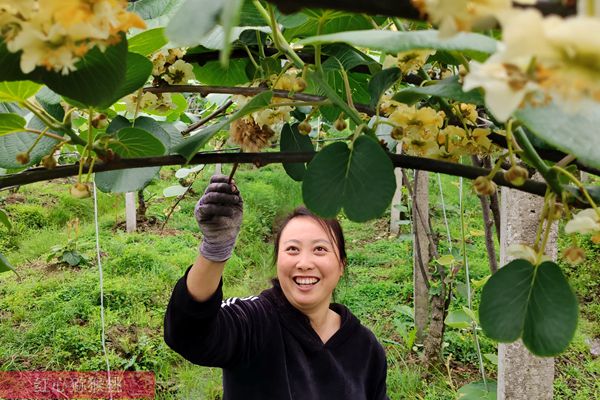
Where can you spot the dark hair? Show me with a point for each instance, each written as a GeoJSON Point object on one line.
{"type": "Point", "coordinates": [330, 225]}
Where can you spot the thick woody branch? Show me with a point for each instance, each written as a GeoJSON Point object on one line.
{"type": "Point", "coordinates": [259, 159]}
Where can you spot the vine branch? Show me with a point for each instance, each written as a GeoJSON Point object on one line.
{"type": "Point", "coordinates": [259, 159]}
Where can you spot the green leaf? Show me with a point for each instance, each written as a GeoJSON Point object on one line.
{"type": "Point", "coordinates": [5, 220]}
{"type": "Point", "coordinates": [18, 91]}
{"type": "Point", "coordinates": [478, 391]}
{"type": "Point", "coordinates": [5, 265]}
{"type": "Point", "coordinates": [458, 319]}
{"type": "Point", "coordinates": [98, 77]}
{"type": "Point", "coordinates": [395, 42]}
{"type": "Point", "coordinates": [571, 131]}
{"type": "Point", "coordinates": [156, 13]}
{"type": "Point", "coordinates": [131, 180]}
{"type": "Point", "coordinates": [336, 21]}
{"type": "Point", "coordinates": [333, 95]}
{"type": "Point", "coordinates": [449, 88]}
{"type": "Point", "coordinates": [11, 123]}
{"type": "Point", "coordinates": [193, 20]}
{"type": "Point", "coordinates": [535, 303]}
{"type": "Point", "coordinates": [72, 258]}
{"type": "Point", "coordinates": [190, 146]}
{"type": "Point", "coordinates": [174, 191]}
{"type": "Point", "coordinates": [135, 142]}
{"type": "Point", "coordinates": [147, 42]}
{"type": "Point", "coordinates": [213, 73]}
{"type": "Point", "coordinates": [361, 180]}
{"type": "Point", "coordinates": [293, 141]}
{"type": "Point", "coordinates": [381, 82]}
{"type": "Point", "coordinates": [51, 102]}
{"type": "Point", "coordinates": [15, 143]}
{"type": "Point", "coordinates": [348, 56]}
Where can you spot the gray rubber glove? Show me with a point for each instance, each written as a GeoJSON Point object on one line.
{"type": "Point", "coordinates": [219, 215]}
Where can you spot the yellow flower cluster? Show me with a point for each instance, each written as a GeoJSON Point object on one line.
{"type": "Point", "coordinates": [55, 34]}
{"type": "Point", "coordinates": [422, 133]}
{"type": "Point", "coordinates": [160, 102]}
{"type": "Point", "coordinates": [169, 67]}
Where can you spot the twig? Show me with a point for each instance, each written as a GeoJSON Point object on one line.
{"type": "Point", "coordinates": [206, 119]}
{"type": "Point", "coordinates": [487, 225]}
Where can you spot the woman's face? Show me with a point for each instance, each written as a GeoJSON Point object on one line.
{"type": "Point", "coordinates": [308, 265]}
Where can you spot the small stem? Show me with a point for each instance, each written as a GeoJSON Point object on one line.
{"type": "Point", "coordinates": [497, 167]}
{"type": "Point", "coordinates": [348, 89]}
{"type": "Point", "coordinates": [318, 46]}
{"type": "Point", "coordinates": [536, 161]}
{"type": "Point", "coordinates": [261, 50]}
{"type": "Point", "coordinates": [47, 134]}
{"type": "Point", "coordinates": [278, 39]}
{"type": "Point", "coordinates": [579, 185]}
{"type": "Point", "coordinates": [203, 121]}
{"type": "Point", "coordinates": [251, 57]}
{"type": "Point", "coordinates": [538, 233]}
{"type": "Point", "coordinates": [235, 166]}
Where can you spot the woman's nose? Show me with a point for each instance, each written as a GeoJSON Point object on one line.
{"type": "Point", "coordinates": [305, 260]}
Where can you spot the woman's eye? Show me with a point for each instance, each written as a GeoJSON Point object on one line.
{"type": "Point", "coordinates": [291, 249]}
{"type": "Point", "coordinates": [321, 249]}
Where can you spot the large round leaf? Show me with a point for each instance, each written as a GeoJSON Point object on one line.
{"type": "Point", "coordinates": [97, 78]}
{"type": "Point", "coordinates": [135, 142]}
{"type": "Point", "coordinates": [535, 303]}
{"type": "Point", "coordinates": [361, 180]}
{"type": "Point", "coordinates": [293, 141]}
{"type": "Point", "coordinates": [130, 180]}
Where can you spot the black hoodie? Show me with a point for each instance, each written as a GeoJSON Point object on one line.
{"type": "Point", "coordinates": [268, 349]}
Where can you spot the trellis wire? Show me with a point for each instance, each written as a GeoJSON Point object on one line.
{"type": "Point", "coordinates": [102, 321]}
{"type": "Point", "coordinates": [468, 281]}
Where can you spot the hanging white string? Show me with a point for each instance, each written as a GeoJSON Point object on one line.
{"type": "Point", "coordinates": [468, 280]}
{"type": "Point", "coordinates": [444, 212]}
{"type": "Point", "coordinates": [102, 321]}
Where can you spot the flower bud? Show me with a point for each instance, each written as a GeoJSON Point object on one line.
{"type": "Point", "coordinates": [23, 158]}
{"type": "Point", "coordinates": [100, 121]}
{"type": "Point", "coordinates": [516, 175]}
{"type": "Point", "coordinates": [484, 186]}
{"type": "Point", "coordinates": [299, 85]}
{"type": "Point", "coordinates": [48, 161]}
{"type": "Point", "coordinates": [574, 255]}
{"type": "Point", "coordinates": [304, 128]}
{"type": "Point", "coordinates": [340, 124]}
{"type": "Point", "coordinates": [80, 190]}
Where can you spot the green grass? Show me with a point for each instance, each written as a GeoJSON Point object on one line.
{"type": "Point", "coordinates": [50, 319]}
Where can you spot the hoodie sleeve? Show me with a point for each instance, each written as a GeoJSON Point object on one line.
{"type": "Point", "coordinates": [214, 332]}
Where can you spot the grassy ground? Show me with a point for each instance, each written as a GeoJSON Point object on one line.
{"type": "Point", "coordinates": [50, 319]}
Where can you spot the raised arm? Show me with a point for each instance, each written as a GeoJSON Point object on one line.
{"type": "Point", "coordinates": [219, 216]}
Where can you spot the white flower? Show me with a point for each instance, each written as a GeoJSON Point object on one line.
{"type": "Point", "coordinates": [179, 73]}
{"type": "Point", "coordinates": [585, 221]}
{"type": "Point", "coordinates": [453, 16]}
{"type": "Point", "coordinates": [504, 84]}
{"type": "Point", "coordinates": [525, 252]}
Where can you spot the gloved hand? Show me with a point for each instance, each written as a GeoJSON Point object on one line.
{"type": "Point", "coordinates": [219, 215]}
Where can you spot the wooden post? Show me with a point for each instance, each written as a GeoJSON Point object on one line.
{"type": "Point", "coordinates": [130, 214]}
{"type": "Point", "coordinates": [397, 200]}
{"type": "Point", "coordinates": [421, 254]}
{"type": "Point", "coordinates": [521, 375]}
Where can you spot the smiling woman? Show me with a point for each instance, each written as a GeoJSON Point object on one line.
{"type": "Point", "coordinates": [289, 342]}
